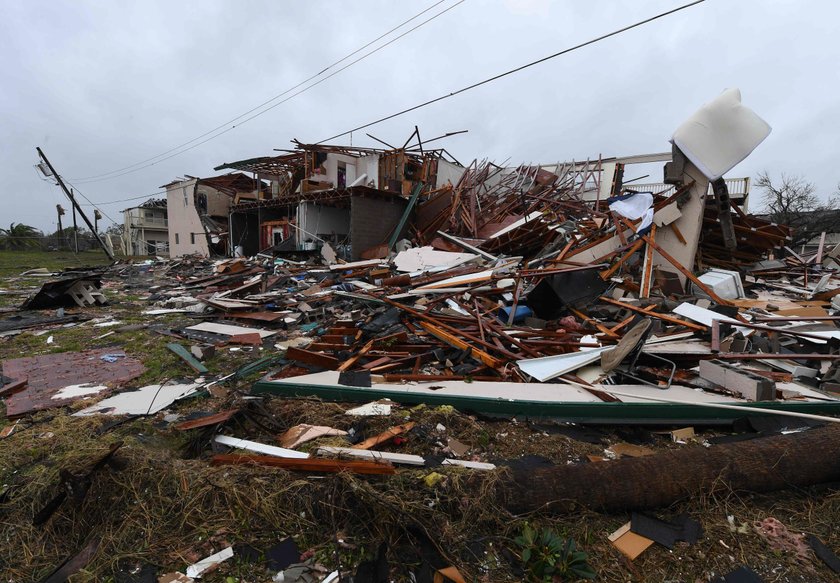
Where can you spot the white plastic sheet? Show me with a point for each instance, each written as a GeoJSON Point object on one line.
{"type": "Point", "coordinates": [637, 206]}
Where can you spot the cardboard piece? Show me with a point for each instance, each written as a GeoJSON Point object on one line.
{"type": "Point", "coordinates": [630, 450]}
{"type": "Point", "coordinates": [629, 543]}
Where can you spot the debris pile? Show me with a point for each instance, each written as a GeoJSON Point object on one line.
{"type": "Point", "coordinates": [619, 332]}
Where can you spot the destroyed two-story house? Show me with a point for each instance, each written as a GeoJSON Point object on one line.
{"type": "Point", "coordinates": [198, 211]}
{"type": "Point", "coordinates": [354, 199]}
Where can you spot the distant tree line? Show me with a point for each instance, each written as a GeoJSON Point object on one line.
{"type": "Point", "coordinates": [793, 201]}
{"type": "Point", "coordinates": [20, 237]}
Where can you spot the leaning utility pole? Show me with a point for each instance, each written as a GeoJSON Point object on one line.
{"type": "Point", "coordinates": [75, 204]}
{"type": "Point", "coordinates": [75, 227]}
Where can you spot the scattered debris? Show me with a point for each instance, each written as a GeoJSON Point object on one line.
{"type": "Point", "coordinates": [534, 318]}
{"type": "Point", "coordinates": [196, 570]}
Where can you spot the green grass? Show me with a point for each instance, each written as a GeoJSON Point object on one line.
{"type": "Point", "coordinates": [12, 263]}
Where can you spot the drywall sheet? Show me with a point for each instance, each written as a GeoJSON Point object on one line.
{"type": "Point", "coordinates": [229, 330]}
{"type": "Point", "coordinates": [146, 400]}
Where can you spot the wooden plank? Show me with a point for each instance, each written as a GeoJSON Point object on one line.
{"type": "Point", "coordinates": [251, 339]}
{"type": "Point", "coordinates": [601, 328]}
{"type": "Point", "coordinates": [647, 269]}
{"type": "Point", "coordinates": [608, 273]}
{"type": "Point", "coordinates": [13, 387]}
{"type": "Point", "coordinates": [665, 317]}
{"type": "Point", "coordinates": [394, 458]}
{"type": "Point", "coordinates": [314, 358]}
{"type": "Point", "coordinates": [306, 465]}
{"type": "Point", "coordinates": [262, 448]}
{"type": "Point", "coordinates": [820, 249]}
{"type": "Point", "coordinates": [386, 435]}
{"type": "Point", "coordinates": [664, 254]}
{"type": "Point", "coordinates": [453, 340]}
{"type": "Point", "coordinates": [208, 420]}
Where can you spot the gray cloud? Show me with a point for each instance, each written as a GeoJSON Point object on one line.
{"type": "Point", "coordinates": [103, 85]}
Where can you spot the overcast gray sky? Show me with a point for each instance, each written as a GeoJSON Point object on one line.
{"type": "Point", "coordinates": [103, 85]}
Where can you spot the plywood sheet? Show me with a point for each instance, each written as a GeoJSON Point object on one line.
{"type": "Point", "coordinates": [49, 374]}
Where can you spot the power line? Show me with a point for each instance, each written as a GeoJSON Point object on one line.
{"type": "Point", "coordinates": [127, 199]}
{"type": "Point", "coordinates": [82, 194]}
{"type": "Point", "coordinates": [177, 150]}
{"type": "Point", "coordinates": [512, 71]}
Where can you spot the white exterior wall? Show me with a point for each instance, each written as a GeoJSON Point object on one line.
{"type": "Point", "coordinates": [184, 221]}
{"type": "Point", "coordinates": [368, 165]}
{"type": "Point", "coordinates": [331, 166]}
{"type": "Point", "coordinates": [448, 172]}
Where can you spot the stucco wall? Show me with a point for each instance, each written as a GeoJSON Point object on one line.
{"type": "Point", "coordinates": [184, 224]}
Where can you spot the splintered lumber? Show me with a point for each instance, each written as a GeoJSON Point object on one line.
{"type": "Point", "coordinates": [608, 273]}
{"type": "Point", "coordinates": [386, 435]}
{"type": "Point", "coordinates": [437, 322]}
{"type": "Point", "coordinates": [686, 272]}
{"type": "Point", "coordinates": [453, 340]}
{"type": "Point", "coordinates": [306, 465]}
{"type": "Point", "coordinates": [766, 464]}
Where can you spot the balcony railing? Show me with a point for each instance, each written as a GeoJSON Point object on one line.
{"type": "Point", "coordinates": [158, 223]}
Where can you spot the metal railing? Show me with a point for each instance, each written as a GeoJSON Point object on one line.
{"type": "Point", "coordinates": [152, 223]}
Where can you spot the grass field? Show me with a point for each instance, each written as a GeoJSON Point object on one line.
{"type": "Point", "coordinates": [14, 262]}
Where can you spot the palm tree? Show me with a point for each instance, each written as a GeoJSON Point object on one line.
{"type": "Point", "coordinates": [19, 236]}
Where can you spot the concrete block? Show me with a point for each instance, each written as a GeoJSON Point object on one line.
{"type": "Point", "coordinates": [750, 386]}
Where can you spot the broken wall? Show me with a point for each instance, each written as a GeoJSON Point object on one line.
{"type": "Point", "coordinates": [218, 203]}
{"type": "Point", "coordinates": [245, 228]}
{"type": "Point", "coordinates": [321, 221]}
{"type": "Point", "coordinates": [688, 225]}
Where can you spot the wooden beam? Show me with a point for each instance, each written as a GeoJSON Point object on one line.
{"type": "Point", "coordinates": [453, 340]}
{"type": "Point", "coordinates": [309, 357]}
{"type": "Point", "coordinates": [608, 273]}
{"type": "Point", "coordinates": [647, 265]}
{"type": "Point", "coordinates": [686, 272]}
{"type": "Point", "coordinates": [386, 435]}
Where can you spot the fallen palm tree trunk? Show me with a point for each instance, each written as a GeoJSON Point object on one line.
{"type": "Point", "coordinates": [760, 465]}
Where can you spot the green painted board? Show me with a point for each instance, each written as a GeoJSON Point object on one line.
{"type": "Point", "coordinates": [185, 355]}
{"type": "Point", "coordinates": [577, 412]}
